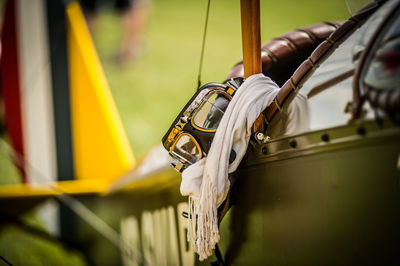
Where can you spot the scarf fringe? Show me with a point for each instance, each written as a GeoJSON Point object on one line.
{"type": "Point", "coordinates": [207, 181]}
{"type": "Point", "coordinates": [203, 221]}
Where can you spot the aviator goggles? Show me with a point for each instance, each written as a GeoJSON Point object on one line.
{"type": "Point", "coordinates": [190, 136]}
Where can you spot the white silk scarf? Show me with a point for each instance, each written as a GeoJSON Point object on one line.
{"type": "Point", "coordinates": [206, 182]}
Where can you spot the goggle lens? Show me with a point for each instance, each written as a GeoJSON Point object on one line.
{"type": "Point", "coordinates": [187, 149]}
{"type": "Point", "coordinates": [211, 111]}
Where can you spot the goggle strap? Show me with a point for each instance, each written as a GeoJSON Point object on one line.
{"type": "Point", "coordinates": [233, 84]}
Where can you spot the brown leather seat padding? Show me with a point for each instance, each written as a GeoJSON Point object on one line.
{"type": "Point", "coordinates": [314, 60]}
{"type": "Point", "coordinates": [291, 57]}
{"type": "Point", "coordinates": [282, 55]}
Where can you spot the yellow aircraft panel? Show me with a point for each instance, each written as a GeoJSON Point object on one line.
{"type": "Point", "coordinates": [84, 186]}
{"type": "Point", "coordinates": [101, 147]}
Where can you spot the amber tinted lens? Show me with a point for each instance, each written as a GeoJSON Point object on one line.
{"type": "Point", "coordinates": [211, 111]}
{"type": "Point", "coordinates": [187, 149]}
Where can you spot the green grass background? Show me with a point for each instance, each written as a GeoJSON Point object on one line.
{"type": "Point", "coordinates": [150, 91]}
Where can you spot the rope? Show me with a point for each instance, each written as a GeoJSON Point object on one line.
{"type": "Point", "coordinates": [203, 45]}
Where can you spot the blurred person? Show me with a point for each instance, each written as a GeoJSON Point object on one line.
{"type": "Point", "coordinates": [134, 14]}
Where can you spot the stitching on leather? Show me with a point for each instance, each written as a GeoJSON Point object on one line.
{"type": "Point", "coordinates": [265, 115]}
{"type": "Point", "coordinates": [288, 42]}
{"type": "Point", "coordinates": [311, 62]}
{"type": "Point", "coordinates": [271, 55]}
{"type": "Point", "coordinates": [356, 20]}
{"type": "Point", "coordinates": [277, 104]}
{"type": "Point", "coordinates": [292, 84]}
{"type": "Point", "coordinates": [310, 34]}
{"type": "Point", "coordinates": [331, 24]}
{"type": "Point", "coordinates": [330, 40]}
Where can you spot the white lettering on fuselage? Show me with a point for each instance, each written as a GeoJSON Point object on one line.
{"type": "Point", "coordinates": [131, 240]}
{"type": "Point", "coordinates": [158, 238]}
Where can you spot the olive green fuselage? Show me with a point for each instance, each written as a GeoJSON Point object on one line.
{"type": "Point", "coordinates": [324, 197]}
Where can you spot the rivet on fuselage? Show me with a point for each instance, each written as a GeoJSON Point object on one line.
{"type": "Point", "coordinates": [325, 137]}
{"type": "Point", "coordinates": [361, 131]}
{"type": "Point", "coordinates": [293, 143]}
{"type": "Point", "coordinates": [264, 150]}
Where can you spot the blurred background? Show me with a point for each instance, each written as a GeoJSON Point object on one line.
{"type": "Point", "coordinates": [152, 86]}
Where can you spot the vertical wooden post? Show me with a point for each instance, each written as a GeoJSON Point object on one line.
{"type": "Point", "coordinates": [251, 45]}
{"type": "Point", "coordinates": [251, 37]}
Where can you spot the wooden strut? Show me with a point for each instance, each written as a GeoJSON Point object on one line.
{"type": "Point", "coordinates": [251, 36]}
{"type": "Point", "coordinates": [251, 45]}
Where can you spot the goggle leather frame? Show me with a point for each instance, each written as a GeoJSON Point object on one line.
{"type": "Point", "coordinates": [183, 124]}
